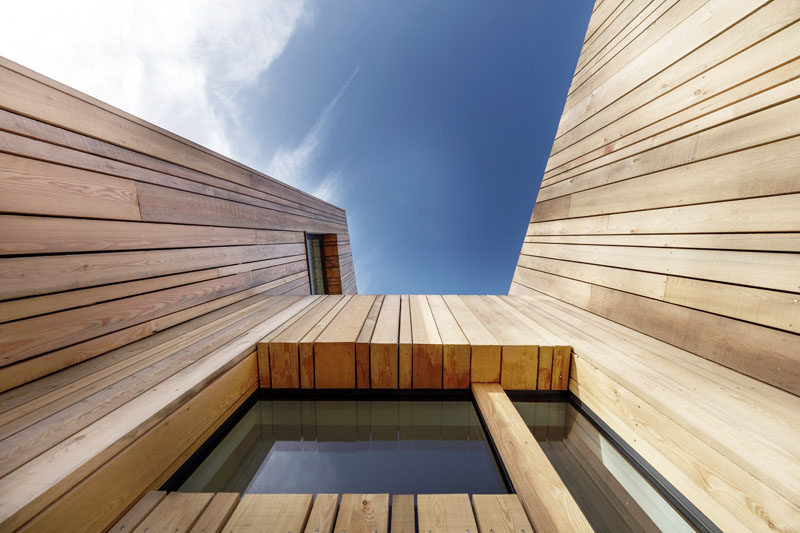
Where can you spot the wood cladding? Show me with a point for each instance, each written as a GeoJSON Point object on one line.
{"type": "Point", "coordinates": [664, 245]}
{"type": "Point", "coordinates": [349, 342]}
{"type": "Point", "coordinates": [674, 159]}
{"type": "Point", "coordinates": [112, 229]}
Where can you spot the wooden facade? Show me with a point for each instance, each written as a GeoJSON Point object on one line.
{"type": "Point", "coordinates": [149, 287]}
{"type": "Point", "coordinates": [665, 246]}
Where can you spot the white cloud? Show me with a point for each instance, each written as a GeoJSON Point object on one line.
{"type": "Point", "coordinates": [291, 165]}
{"type": "Point", "coordinates": [176, 63]}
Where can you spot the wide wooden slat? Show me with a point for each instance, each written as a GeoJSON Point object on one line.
{"type": "Point", "coordinates": [501, 513]}
{"type": "Point", "coordinates": [427, 345]}
{"type": "Point", "coordinates": [138, 512]}
{"type": "Point", "coordinates": [217, 513]}
{"type": "Point", "coordinates": [445, 513]}
{"type": "Point", "coordinates": [270, 512]}
{"type": "Point", "coordinates": [334, 349]}
{"type": "Point", "coordinates": [323, 514]}
{"type": "Point", "coordinates": [363, 512]}
{"type": "Point", "coordinates": [484, 347]}
{"type": "Point", "coordinates": [384, 345]}
{"type": "Point", "coordinates": [519, 347]}
{"type": "Point", "coordinates": [548, 503]}
{"type": "Point", "coordinates": [455, 346]}
{"type": "Point", "coordinates": [32, 235]}
{"type": "Point", "coordinates": [307, 366]}
{"type": "Point", "coordinates": [177, 512]}
{"type": "Point", "coordinates": [403, 515]}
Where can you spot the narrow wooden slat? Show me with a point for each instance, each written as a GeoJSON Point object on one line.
{"type": "Point", "coordinates": [757, 242]}
{"type": "Point", "coordinates": [270, 512]}
{"type": "Point", "coordinates": [363, 512]}
{"type": "Point", "coordinates": [323, 514]}
{"type": "Point", "coordinates": [334, 349]}
{"type": "Point", "coordinates": [138, 512]}
{"type": "Point", "coordinates": [363, 345]}
{"type": "Point", "coordinates": [32, 235]}
{"type": "Point", "coordinates": [548, 503]}
{"type": "Point", "coordinates": [500, 513]}
{"type": "Point", "coordinates": [427, 345]}
{"type": "Point", "coordinates": [485, 349]}
{"type": "Point", "coordinates": [217, 513]}
{"type": "Point", "coordinates": [403, 515]}
{"type": "Point", "coordinates": [384, 345]}
{"type": "Point", "coordinates": [445, 513]}
{"type": "Point", "coordinates": [404, 354]}
{"type": "Point", "coordinates": [455, 346]}
{"type": "Point", "coordinates": [177, 512]}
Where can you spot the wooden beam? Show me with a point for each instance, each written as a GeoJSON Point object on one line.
{"type": "Point", "coordinates": [544, 496]}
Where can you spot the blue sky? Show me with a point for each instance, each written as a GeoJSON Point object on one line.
{"type": "Point", "coordinates": [429, 122]}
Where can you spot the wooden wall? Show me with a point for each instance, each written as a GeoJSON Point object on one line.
{"type": "Point", "coordinates": [671, 199]}
{"type": "Point", "coordinates": [112, 229]}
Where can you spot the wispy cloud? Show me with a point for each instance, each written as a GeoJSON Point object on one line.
{"type": "Point", "coordinates": [292, 165]}
{"type": "Point", "coordinates": [178, 64]}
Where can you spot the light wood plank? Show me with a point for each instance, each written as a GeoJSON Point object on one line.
{"type": "Point", "coordinates": [335, 348]}
{"type": "Point", "coordinates": [363, 345]}
{"type": "Point", "coordinates": [384, 345]}
{"type": "Point", "coordinates": [484, 347]}
{"type": "Point", "coordinates": [455, 346]}
{"type": "Point", "coordinates": [519, 344]}
{"type": "Point", "coordinates": [500, 513]}
{"type": "Point", "coordinates": [445, 513]}
{"type": "Point", "coordinates": [307, 342]}
{"type": "Point", "coordinates": [363, 513]}
{"type": "Point", "coordinates": [323, 514]}
{"type": "Point", "coordinates": [403, 515]}
{"type": "Point", "coordinates": [270, 512]}
{"type": "Point", "coordinates": [427, 345]}
{"type": "Point", "coordinates": [404, 353]}
{"type": "Point", "coordinates": [138, 512]}
{"type": "Point", "coordinates": [217, 513]}
{"type": "Point", "coordinates": [177, 512]}
{"type": "Point", "coordinates": [548, 503]}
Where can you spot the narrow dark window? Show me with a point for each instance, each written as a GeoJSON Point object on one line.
{"type": "Point", "coordinates": [316, 263]}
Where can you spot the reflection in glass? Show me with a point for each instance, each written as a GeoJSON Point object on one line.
{"type": "Point", "coordinates": [352, 446]}
{"type": "Point", "coordinates": [612, 494]}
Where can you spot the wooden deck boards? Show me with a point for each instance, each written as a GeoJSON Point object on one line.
{"type": "Point", "coordinates": [296, 513]}
{"type": "Point", "coordinates": [417, 341]}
